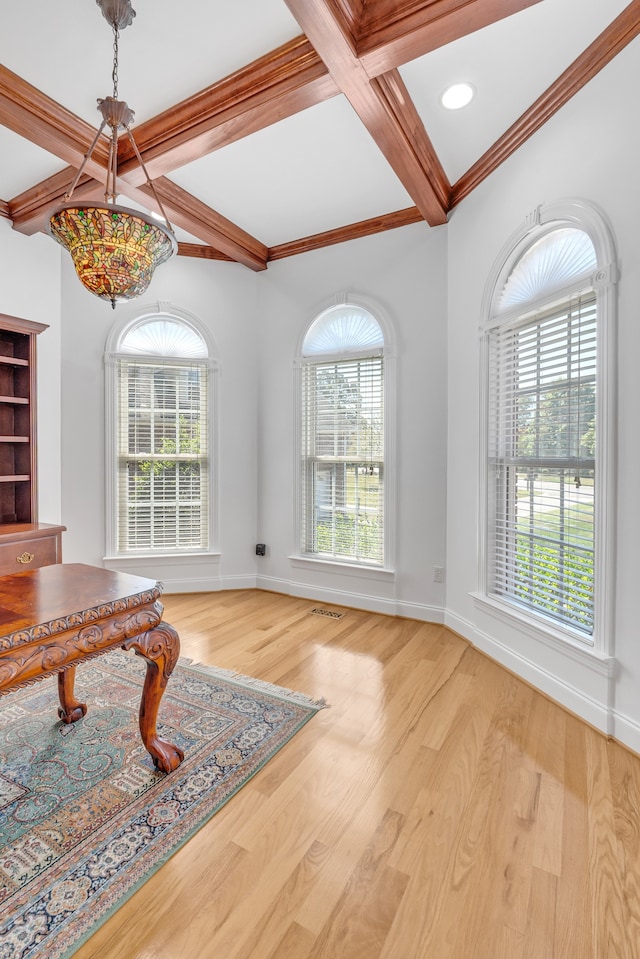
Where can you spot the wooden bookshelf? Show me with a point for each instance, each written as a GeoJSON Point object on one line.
{"type": "Point", "coordinates": [18, 452]}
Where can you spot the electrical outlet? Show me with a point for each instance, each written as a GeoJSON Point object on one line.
{"type": "Point", "coordinates": [438, 574]}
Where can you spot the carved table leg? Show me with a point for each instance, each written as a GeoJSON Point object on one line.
{"type": "Point", "coordinates": [160, 647]}
{"type": "Point", "coordinates": [70, 709]}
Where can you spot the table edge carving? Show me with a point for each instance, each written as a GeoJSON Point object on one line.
{"type": "Point", "coordinates": [23, 637]}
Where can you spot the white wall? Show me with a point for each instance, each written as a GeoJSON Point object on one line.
{"type": "Point", "coordinates": [30, 288]}
{"type": "Point", "coordinates": [590, 149]}
{"type": "Point", "coordinates": [404, 272]}
{"type": "Point", "coordinates": [223, 297]}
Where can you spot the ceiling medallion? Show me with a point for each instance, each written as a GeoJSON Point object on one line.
{"type": "Point", "coordinates": [115, 250]}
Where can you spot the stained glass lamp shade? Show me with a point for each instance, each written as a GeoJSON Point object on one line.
{"type": "Point", "coordinates": [115, 250]}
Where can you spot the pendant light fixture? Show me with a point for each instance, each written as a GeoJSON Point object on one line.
{"type": "Point", "coordinates": [115, 250]}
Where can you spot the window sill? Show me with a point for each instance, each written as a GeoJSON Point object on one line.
{"type": "Point", "coordinates": [554, 637]}
{"type": "Point", "coordinates": [344, 569]}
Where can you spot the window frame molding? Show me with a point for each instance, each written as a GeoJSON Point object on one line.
{"type": "Point", "coordinates": [137, 316]}
{"type": "Point", "coordinates": [342, 565]}
{"type": "Point", "coordinates": [547, 218]}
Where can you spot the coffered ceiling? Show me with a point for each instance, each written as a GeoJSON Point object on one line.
{"type": "Point", "coordinates": [270, 127]}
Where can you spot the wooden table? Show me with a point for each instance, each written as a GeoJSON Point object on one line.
{"type": "Point", "coordinates": [53, 618]}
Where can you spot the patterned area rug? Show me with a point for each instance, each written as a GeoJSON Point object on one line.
{"type": "Point", "coordinates": [84, 817]}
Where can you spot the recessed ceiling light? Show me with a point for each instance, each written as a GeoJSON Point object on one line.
{"type": "Point", "coordinates": [457, 96]}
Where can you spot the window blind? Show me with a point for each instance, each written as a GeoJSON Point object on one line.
{"type": "Point", "coordinates": [542, 434]}
{"type": "Point", "coordinates": [162, 460]}
{"type": "Point", "coordinates": [342, 466]}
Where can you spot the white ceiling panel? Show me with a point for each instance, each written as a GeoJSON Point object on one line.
{"type": "Point", "coordinates": [510, 63]}
{"type": "Point", "coordinates": [22, 164]}
{"type": "Point", "coordinates": [312, 172]}
{"type": "Point", "coordinates": [170, 51]}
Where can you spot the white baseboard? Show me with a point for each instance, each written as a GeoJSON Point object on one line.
{"type": "Point", "coordinates": [209, 585]}
{"type": "Point", "coordinates": [246, 581]}
{"type": "Point", "coordinates": [595, 712]}
{"type": "Point", "coordinates": [174, 585]}
{"type": "Point", "coordinates": [338, 597]}
{"type": "Point", "coordinates": [426, 614]}
{"type": "Point", "coordinates": [626, 730]}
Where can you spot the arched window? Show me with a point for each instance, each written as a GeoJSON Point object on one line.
{"type": "Point", "coordinates": [159, 385]}
{"type": "Point", "coordinates": [549, 429]}
{"type": "Point", "coordinates": [342, 441]}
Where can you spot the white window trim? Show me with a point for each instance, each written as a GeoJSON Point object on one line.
{"type": "Point", "coordinates": [344, 568]}
{"type": "Point", "coordinates": [577, 213]}
{"type": "Point", "coordinates": [296, 557]}
{"type": "Point", "coordinates": [134, 316]}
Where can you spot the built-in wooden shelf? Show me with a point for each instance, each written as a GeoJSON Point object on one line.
{"type": "Point", "coordinates": [24, 542]}
{"type": "Point", "coordinates": [13, 360]}
{"type": "Point", "coordinates": [18, 495]}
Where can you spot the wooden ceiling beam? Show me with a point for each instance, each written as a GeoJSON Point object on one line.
{"type": "Point", "coordinates": [31, 210]}
{"type": "Point", "coordinates": [395, 122]}
{"type": "Point", "coordinates": [33, 115]}
{"type": "Point", "coordinates": [354, 231]}
{"type": "Point", "coordinates": [201, 252]}
{"type": "Point", "coordinates": [185, 211]}
{"type": "Point", "coordinates": [278, 85]}
{"type": "Point", "coordinates": [622, 30]}
{"type": "Point", "coordinates": [391, 33]}
{"type": "Point", "coordinates": [383, 105]}
{"type": "Point", "coordinates": [36, 117]}
{"type": "Point", "coordinates": [353, 48]}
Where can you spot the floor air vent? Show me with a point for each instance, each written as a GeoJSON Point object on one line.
{"type": "Point", "coordinates": [331, 613]}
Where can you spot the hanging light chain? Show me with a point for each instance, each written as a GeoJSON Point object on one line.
{"type": "Point", "coordinates": [114, 72]}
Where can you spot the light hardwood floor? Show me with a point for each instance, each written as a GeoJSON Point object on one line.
{"type": "Point", "coordinates": [439, 809]}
